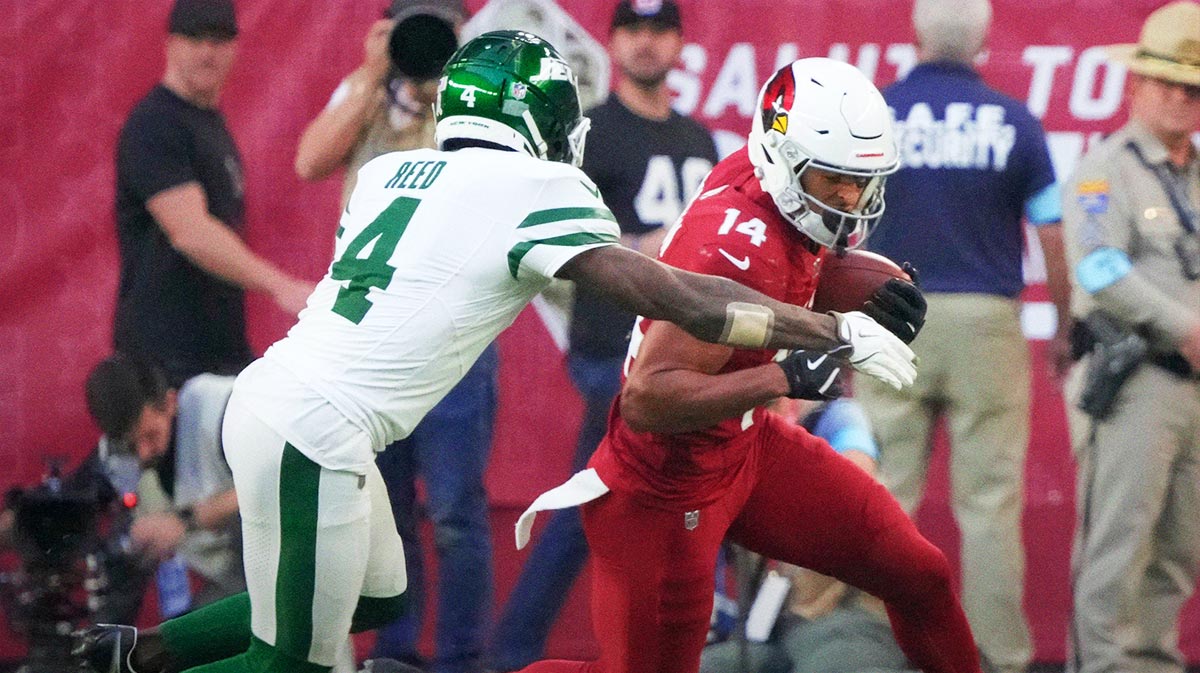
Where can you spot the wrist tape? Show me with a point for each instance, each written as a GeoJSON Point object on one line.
{"type": "Point", "coordinates": [747, 325]}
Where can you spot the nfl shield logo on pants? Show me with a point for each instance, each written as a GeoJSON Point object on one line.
{"type": "Point", "coordinates": [691, 519]}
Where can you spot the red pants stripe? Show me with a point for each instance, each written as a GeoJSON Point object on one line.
{"type": "Point", "coordinates": [795, 500]}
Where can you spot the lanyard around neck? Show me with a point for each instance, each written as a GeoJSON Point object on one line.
{"type": "Point", "coordinates": [1188, 218]}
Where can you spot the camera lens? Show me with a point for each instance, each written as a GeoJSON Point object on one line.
{"type": "Point", "coordinates": [420, 46]}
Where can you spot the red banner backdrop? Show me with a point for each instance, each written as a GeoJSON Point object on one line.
{"type": "Point", "coordinates": [72, 69]}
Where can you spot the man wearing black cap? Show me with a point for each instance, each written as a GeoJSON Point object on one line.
{"type": "Point", "coordinates": [648, 161]}
{"type": "Point", "coordinates": [179, 203]}
{"type": "Point", "coordinates": [386, 105]}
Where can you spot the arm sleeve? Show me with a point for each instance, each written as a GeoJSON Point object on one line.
{"type": "Point", "coordinates": [568, 218]}
{"type": "Point", "coordinates": [340, 94]}
{"type": "Point", "coordinates": [1098, 227]}
{"type": "Point", "coordinates": [844, 425]}
{"type": "Point", "coordinates": [1045, 207]}
{"type": "Point", "coordinates": [156, 155]}
{"type": "Point", "coordinates": [1042, 195]}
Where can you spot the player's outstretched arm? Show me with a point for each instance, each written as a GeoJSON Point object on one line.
{"type": "Point", "coordinates": [718, 310]}
{"type": "Point", "coordinates": [710, 308]}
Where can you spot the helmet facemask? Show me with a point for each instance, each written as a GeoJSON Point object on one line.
{"type": "Point", "coordinates": [577, 141]}
{"type": "Point", "coordinates": [825, 223]}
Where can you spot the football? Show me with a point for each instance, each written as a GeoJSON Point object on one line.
{"type": "Point", "coordinates": [846, 283]}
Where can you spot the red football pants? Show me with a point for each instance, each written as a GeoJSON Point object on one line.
{"type": "Point", "coordinates": [795, 500]}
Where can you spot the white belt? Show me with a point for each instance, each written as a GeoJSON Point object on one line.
{"type": "Point", "coordinates": [584, 486]}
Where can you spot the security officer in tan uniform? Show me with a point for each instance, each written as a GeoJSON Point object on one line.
{"type": "Point", "coordinates": [1132, 226]}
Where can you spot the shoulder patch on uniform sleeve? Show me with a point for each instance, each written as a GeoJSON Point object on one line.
{"type": "Point", "coordinates": [1093, 196]}
{"type": "Point", "coordinates": [1102, 268]}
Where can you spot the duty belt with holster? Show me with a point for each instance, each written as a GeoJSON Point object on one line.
{"type": "Point", "coordinates": [1117, 351]}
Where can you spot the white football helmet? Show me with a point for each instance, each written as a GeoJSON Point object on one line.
{"type": "Point", "coordinates": [822, 113]}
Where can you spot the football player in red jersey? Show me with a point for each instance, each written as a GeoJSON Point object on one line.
{"type": "Point", "coordinates": [691, 456]}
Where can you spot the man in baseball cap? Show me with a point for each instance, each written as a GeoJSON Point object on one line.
{"type": "Point", "coordinates": [662, 13]}
{"type": "Point", "coordinates": [203, 19]}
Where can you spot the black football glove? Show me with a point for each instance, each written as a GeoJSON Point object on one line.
{"type": "Point", "coordinates": [813, 375]}
{"type": "Point", "coordinates": [899, 306]}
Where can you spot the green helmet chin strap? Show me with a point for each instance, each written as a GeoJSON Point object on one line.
{"type": "Point", "coordinates": [514, 89]}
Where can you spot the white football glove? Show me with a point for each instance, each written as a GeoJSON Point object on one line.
{"type": "Point", "coordinates": [875, 351]}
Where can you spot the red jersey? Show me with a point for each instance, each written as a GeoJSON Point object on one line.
{"type": "Point", "coordinates": [732, 229]}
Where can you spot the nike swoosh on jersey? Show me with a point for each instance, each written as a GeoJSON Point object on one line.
{"type": "Point", "coordinates": [813, 364]}
{"type": "Point", "coordinates": [743, 263]}
{"type": "Point", "coordinates": [592, 190]}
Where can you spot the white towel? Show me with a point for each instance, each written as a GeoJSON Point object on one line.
{"type": "Point", "coordinates": [583, 487]}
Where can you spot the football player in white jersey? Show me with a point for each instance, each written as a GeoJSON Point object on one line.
{"type": "Point", "coordinates": [437, 252]}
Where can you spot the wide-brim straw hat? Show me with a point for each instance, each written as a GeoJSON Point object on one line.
{"type": "Point", "coordinates": [1169, 46]}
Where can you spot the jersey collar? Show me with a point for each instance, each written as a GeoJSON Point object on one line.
{"type": "Point", "coordinates": [943, 67]}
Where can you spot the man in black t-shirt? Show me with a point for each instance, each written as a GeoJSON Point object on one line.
{"type": "Point", "coordinates": [178, 207]}
{"type": "Point", "coordinates": [648, 161]}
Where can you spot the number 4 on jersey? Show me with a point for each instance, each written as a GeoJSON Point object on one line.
{"type": "Point", "coordinates": [373, 270]}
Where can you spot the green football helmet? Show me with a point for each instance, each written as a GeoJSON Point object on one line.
{"type": "Point", "coordinates": [514, 89]}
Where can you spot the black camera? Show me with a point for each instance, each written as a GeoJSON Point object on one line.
{"type": "Point", "coordinates": [52, 526]}
{"type": "Point", "coordinates": [420, 45]}
{"type": "Point", "coordinates": [56, 587]}
{"type": "Point", "coordinates": [68, 533]}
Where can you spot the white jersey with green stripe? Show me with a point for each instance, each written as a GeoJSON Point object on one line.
{"type": "Point", "coordinates": [437, 252]}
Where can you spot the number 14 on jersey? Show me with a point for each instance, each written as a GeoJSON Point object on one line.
{"type": "Point", "coordinates": [755, 228]}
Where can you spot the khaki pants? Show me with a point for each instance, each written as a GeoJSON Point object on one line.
{"type": "Point", "coordinates": [974, 368]}
{"type": "Point", "coordinates": [1137, 542]}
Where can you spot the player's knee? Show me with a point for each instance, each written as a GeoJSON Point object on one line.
{"type": "Point", "coordinates": [372, 613]}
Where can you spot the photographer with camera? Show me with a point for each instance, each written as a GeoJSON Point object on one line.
{"type": "Point", "coordinates": [386, 104]}
{"type": "Point", "coordinates": [185, 513]}
{"type": "Point", "coordinates": [160, 458]}
{"type": "Point", "coordinates": [155, 493]}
